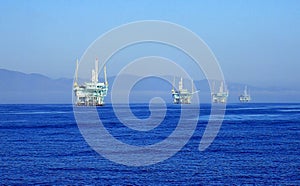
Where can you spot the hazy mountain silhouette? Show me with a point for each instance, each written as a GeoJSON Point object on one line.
{"type": "Point", "coordinates": [18, 87]}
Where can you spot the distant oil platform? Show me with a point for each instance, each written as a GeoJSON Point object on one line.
{"type": "Point", "coordinates": [90, 93]}
{"type": "Point", "coordinates": [181, 96]}
{"type": "Point", "coordinates": [245, 97]}
{"type": "Point", "coordinates": [221, 96]}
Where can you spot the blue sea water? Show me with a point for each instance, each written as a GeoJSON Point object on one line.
{"type": "Point", "coordinates": [258, 144]}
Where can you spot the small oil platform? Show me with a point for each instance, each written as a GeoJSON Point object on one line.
{"type": "Point", "coordinates": [245, 98]}
{"type": "Point", "coordinates": [221, 96]}
{"type": "Point", "coordinates": [181, 96]}
{"type": "Point", "coordinates": [90, 93]}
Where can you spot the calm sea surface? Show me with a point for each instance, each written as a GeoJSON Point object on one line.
{"type": "Point", "coordinates": [257, 144]}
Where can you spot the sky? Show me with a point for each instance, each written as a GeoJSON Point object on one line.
{"type": "Point", "coordinates": [255, 42]}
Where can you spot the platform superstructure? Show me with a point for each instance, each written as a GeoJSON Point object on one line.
{"type": "Point", "coordinates": [245, 97]}
{"type": "Point", "coordinates": [221, 96]}
{"type": "Point", "coordinates": [181, 96]}
{"type": "Point", "coordinates": [91, 93]}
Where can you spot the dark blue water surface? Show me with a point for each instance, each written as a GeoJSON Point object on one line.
{"type": "Point", "coordinates": [257, 144]}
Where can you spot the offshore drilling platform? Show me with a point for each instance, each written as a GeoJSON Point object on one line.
{"type": "Point", "coordinates": [90, 93]}
{"type": "Point", "coordinates": [221, 96]}
{"type": "Point", "coordinates": [181, 96]}
{"type": "Point", "coordinates": [245, 97]}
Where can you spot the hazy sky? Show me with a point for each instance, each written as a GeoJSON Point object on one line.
{"type": "Point", "coordinates": [255, 42]}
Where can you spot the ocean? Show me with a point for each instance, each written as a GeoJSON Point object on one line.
{"type": "Point", "coordinates": [258, 144]}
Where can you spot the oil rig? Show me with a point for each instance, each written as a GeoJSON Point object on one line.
{"type": "Point", "coordinates": [245, 98]}
{"type": "Point", "coordinates": [221, 96]}
{"type": "Point", "coordinates": [181, 96]}
{"type": "Point", "coordinates": [90, 93]}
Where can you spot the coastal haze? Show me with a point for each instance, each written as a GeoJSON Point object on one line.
{"type": "Point", "coordinates": [21, 88]}
{"type": "Point", "coordinates": [255, 43]}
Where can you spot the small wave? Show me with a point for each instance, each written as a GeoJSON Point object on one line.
{"type": "Point", "coordinates": [289, 110]}
{"type": "Point", "coordinates": [246, 108]}
{"type": "Point", "coordinates": [256, 117]}
{"type": "Point", "coordinates": [15, 121]}
{"type": "Point", "coordinates": [37, 112]}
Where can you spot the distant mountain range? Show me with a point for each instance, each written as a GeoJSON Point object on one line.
{"type": "Point", "coordinates": [18, 87]}
{"type": "Point", "coordinates": [21, 88]}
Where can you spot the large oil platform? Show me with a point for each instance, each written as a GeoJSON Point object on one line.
{"type": "Point", "coordinates": [90, 93]}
